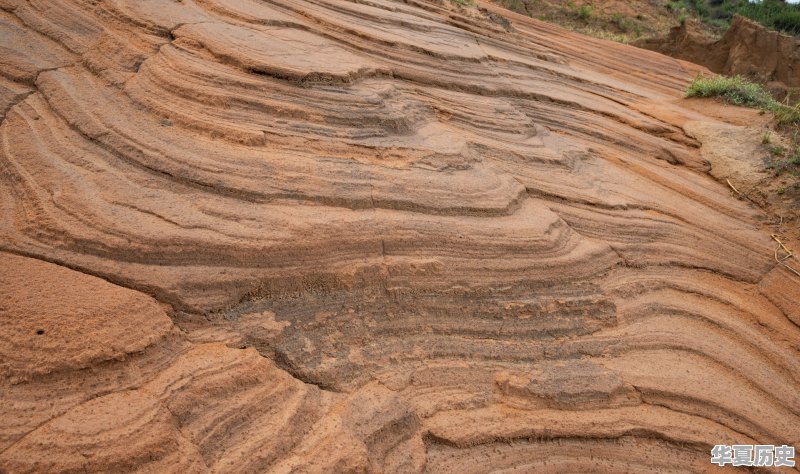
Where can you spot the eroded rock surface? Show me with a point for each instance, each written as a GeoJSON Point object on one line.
{"type": "Point", "coordinates": [277, 236]}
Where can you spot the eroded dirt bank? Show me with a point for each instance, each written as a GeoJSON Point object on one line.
{"type": "Point", "coordinates": [746, 48]}
{"type": "Point", "coordinates": [243, 236]}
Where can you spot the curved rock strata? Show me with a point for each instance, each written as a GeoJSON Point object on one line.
{"type": "Point", "coordinates": [326, 236]}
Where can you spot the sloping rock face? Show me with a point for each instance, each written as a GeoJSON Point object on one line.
{"type": "Point", "coordinates": [746, 48]}
{"type": "Point", "coordinates": [327, 236]}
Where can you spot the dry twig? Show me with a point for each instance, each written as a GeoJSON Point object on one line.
{"type": "Point", "coordinates": [788, 255]}
{"type": "Point", "coordinates": [734, 188]}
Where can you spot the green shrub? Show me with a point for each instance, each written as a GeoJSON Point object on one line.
{"type": "Point", "coordinates": [674, 5]}
{"type": "Point", "coordinates": [775, 14]}
{"type": "Point", "coordinates": [584, 12]}
{"type": "Point", "coordinates": [788, 22]}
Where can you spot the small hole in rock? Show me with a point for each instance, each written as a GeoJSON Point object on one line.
{"type": "Point", "coordinates": [40, 332]}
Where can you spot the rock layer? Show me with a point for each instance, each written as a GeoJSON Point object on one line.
{"type": "Point", "coordinates": [390, 237]}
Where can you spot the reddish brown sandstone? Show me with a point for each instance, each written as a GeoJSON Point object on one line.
{"type": "Point", "coordinates": [322, 236]}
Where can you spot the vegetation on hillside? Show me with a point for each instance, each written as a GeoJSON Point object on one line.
{"type": "Point", "coordinates": [736, 90]}
{"type": "Point", "coordinates": [616, 21]}
{"type": "Point", "coordinates": [778, 191]}
{"type": "Point", "coordinates": [774, 14]}
{"type": "Point", "coordinates": [741, 91]}
{"type": "Point", "coordinates": [626, 20]}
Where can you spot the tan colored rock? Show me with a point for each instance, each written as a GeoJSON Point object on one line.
{"type": "Point", "coordinates": [370, 237]}
{"type": "Point", "coordinates": [56, 319]}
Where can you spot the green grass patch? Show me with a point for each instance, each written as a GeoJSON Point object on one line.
{"type": "Point", "coordinates": [740, 91]}
{"type": "Point", "coordinates": [787, 114]}
{"type": "Point", "coordinates": [777, 151]}
{"type": "Point", "coordinates": [774, 14]}
{"type": "Point", "coordinates": [736, 90]}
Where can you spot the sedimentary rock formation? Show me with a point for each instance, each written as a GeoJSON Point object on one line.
{"type": "Point", "coordinates": [316, 236]}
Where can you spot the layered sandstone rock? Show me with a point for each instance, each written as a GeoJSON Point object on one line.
{"type": "Point", "coordinates": [368, 236]}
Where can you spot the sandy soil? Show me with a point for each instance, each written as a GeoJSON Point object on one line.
{"type": "Point", "coordinates": [326, 236]}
